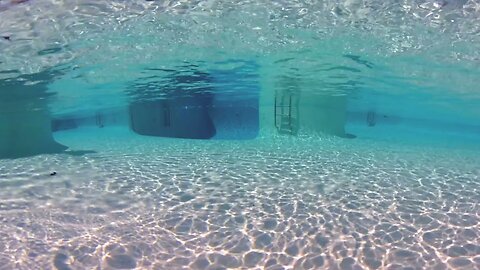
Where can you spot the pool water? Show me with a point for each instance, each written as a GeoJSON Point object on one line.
{"type": "Point", "coordinates": [245, 135]}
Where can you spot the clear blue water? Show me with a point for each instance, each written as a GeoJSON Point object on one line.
{"type": "Point", "coordinates": [245, 135]}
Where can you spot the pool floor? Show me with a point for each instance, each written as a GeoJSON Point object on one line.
{"type": "Point", "coordinates": [306, 203]}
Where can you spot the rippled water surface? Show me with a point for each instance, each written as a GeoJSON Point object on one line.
{"type": "Point", "coordinates": [374, 51]}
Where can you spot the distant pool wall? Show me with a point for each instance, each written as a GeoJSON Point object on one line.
{"type": "Point", "coordinates": [388, 125]}
{"type": "Point", "coordinates": [107, 117]}
{"type": "Point", "coordinates": [323, 114]}
{"type": "Point", "coordinates": [235, 107]}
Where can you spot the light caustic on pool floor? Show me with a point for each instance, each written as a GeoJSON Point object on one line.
{"type": "Point", "coordinates": [243, 206]}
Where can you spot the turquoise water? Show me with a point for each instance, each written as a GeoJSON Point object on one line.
{"type": "Point", "coordinates": [239, 135]}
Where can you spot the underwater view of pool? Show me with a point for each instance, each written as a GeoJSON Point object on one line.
{"type": "Point", "coordinates": [215, 134]}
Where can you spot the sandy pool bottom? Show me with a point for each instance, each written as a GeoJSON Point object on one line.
{"type": "Point", "coordinates": [324, 203]}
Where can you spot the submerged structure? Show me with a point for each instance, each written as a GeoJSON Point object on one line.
{"type": "Point", "coordinates": [25, 121]}
{"type": "Point", "coordinates": [179, 108]}
{"type": "Point", "coordinates": [295, 113]}
{"type": "Point", "coordinates": [199, 104]}
{"type": "Point", "coordinates": [189, 103]}
{"type": "Point", "coordinates": [220, 104]}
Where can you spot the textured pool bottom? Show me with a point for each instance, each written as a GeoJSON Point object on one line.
{"type": "Point", "coordinates": [162, 204]}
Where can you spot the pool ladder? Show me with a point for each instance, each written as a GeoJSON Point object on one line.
{"type": "Point", "coordinates": [286, 113]}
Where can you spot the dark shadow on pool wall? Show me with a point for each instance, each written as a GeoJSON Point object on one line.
{"type": "Point", "coordinates": [176, 109]}
{"type": "Point", "coordinates": [190, 106]}
{"type": "Point", "coordinates": [182, 117]}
